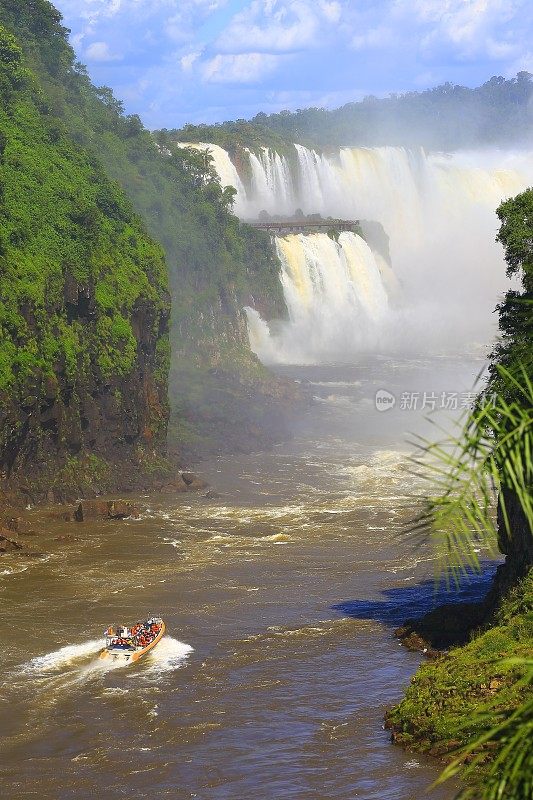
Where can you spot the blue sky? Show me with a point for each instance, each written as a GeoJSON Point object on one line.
{"type": "Point", "coordinates": [178, 61]}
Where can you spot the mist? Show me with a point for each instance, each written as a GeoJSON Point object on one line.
{"type": "Point", "coordinates": [444, 272]}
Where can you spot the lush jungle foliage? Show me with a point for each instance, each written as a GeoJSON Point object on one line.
{"type": "Point", "coordinates": [449, 117]}
{"type": "Point", "coordinates": [215, 262]}
{"type": "Point", "coordinates": [61, 215]}
{"type": "Point", "coordinates": [479, 698]}
{"type": "Point", "coordinates": [75, 262]}
{"type": "Point", "coordinates": [232, 136]}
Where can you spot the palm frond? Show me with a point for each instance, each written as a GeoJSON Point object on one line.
{"type": "Point", "coordinates": [491, 451]}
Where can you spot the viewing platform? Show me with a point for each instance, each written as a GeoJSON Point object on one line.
{"type": "Point", "coordinates": [306, 226]}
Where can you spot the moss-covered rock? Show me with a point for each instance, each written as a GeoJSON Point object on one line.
{"type": "Point", "coordinates": [441, 708]}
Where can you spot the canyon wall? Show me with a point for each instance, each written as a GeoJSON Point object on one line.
{"type": "Point", "coordinates": [84, 309]}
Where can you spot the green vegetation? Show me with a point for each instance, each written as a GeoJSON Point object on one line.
{"type": "Point", "coordinates": [215, 263]}
{"type": "Point", "coordinates": [447, 117]}
{"type": "Point", "coordinates": [232, 136]}
{"type": "Point", "coordinates": [76, 270]}
{"type": "Point", "coordinates": [510, 773]}
{"type": "Point", "coordinates": [461, 695]}
{"type": "Point", "coordinates": [493, 455]}
{"type": "Point", "coordinates": [477, 701]}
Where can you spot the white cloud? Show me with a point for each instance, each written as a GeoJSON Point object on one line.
{"type": "Point", "coordinates": [187, 61]}
{"type": "Point", "coordinates": [100, 51]}
{"type": "Point", "coordinates": [332, 11]}
{"type": "Point", "coordinates": [373, 38]}
{"type": "Point", "coordinates": [278, 26]}
{"type": "Point", "coordinates": [470, 26]}
{"type": "Point", "coordinates": [200, 59]}
{"type": "Point", "coordinates": [461, 29]}
{"type": "Point", "coordinates": [239, 68]}
{"type": "Point", "coordinates": [175, 19]}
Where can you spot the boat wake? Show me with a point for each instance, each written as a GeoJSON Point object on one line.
{"type": "Point", "coordinates": [170, 654]}
{"type": "Point", "coordinates": [67, 656]}
{"type": "Point", "coordinates": [81, 660]}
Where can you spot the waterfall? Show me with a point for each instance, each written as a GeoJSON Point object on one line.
{"type": "Point", "coordinates": [335, 297]}
{"type": "Point", "coordinates": [272, 187]}
{"type": "Point", "coordinates": [438, 212]}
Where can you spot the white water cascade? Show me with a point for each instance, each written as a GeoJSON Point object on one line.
{"type": "Point", "coordinates": [438, 211]}
{"type": "Point", "coordinates": [336, 298]}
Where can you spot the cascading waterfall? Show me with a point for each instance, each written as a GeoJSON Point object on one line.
{"type": "Point", "coordinates": [438, 212]}
{"type": "Point", "coordinates": [272, 187]}
{"type": "Point", "coordinates": [335, 296]}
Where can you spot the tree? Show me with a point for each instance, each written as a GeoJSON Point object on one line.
{"type": "Point", "coordinates": [493, 458]}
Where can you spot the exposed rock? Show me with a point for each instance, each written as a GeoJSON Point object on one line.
{"type": "Point", "coordinates": [17, 524]}
{"type": "Point", "coordinates": [517, 547]}
{"type": "Point", "coordinates": [6, 543]}
{"type": "Point", "coordinates": [119, 509]}
{"type": "Point", "coordinates": [105, 509]}
{"type": "Point", "coordinates": [12, 523]}
{"type": "Point", "coordinates": [91, 509]}
{"type": "Point", "coordinates": [177, 484]}
{"type": "Point", "coordinates": [414, 642]}
{"type": "Point", "coordinates": [193, 482]}
{"type": "Point", "coordinates": [446, 626]}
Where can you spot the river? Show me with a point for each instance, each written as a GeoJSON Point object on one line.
{"type": "Point", "coordinates": [280, 596]}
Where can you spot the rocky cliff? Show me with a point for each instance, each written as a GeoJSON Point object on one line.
{"type": "Point", "coordinates": [84, 307]}
{"type": "Point", "coordinates": [215, 263]}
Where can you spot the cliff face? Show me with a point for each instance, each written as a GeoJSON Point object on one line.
{"type": "Point", "coordinates": [83, 307]}
{"type": "Point", "coordinates": [215, 263]}
{"type": "Point", "coordinates": [516, 545]}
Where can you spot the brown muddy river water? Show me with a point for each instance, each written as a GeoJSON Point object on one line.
{"type": "Point", "coordinates": [280, 599]}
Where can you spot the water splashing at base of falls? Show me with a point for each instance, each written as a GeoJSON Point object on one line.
{"type": "Point", "coordinates": [438, 211]}
{"type": "Point", "coordinates": [335, 296]}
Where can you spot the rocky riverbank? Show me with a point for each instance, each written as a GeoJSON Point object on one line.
{"type": "Point", "coordinates": [471, 648]}
{"type": "Point", "coordinates": [437, 713]}
{"type": "Point", "coordinates": [21, 526]}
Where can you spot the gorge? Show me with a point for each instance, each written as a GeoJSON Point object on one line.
{"type": "Point", "coordinates": [146, 325]}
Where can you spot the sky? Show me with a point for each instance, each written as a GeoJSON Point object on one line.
{"type": "Point", "coordinates": [179, 61]}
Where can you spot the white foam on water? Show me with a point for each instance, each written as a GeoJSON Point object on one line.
{"type": "Point", "coordinates": [170, 654]}
{"type": "Point", "coordinates": [64, 657]}
{"type": "Point", "coordinates": [13, 570]}
{"type": "Point", "coordinates": [173, 542]}
{"type": "Point", "coordinates": [73, 664]}
{"type": "Point", "coordinates": [277, 538]}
